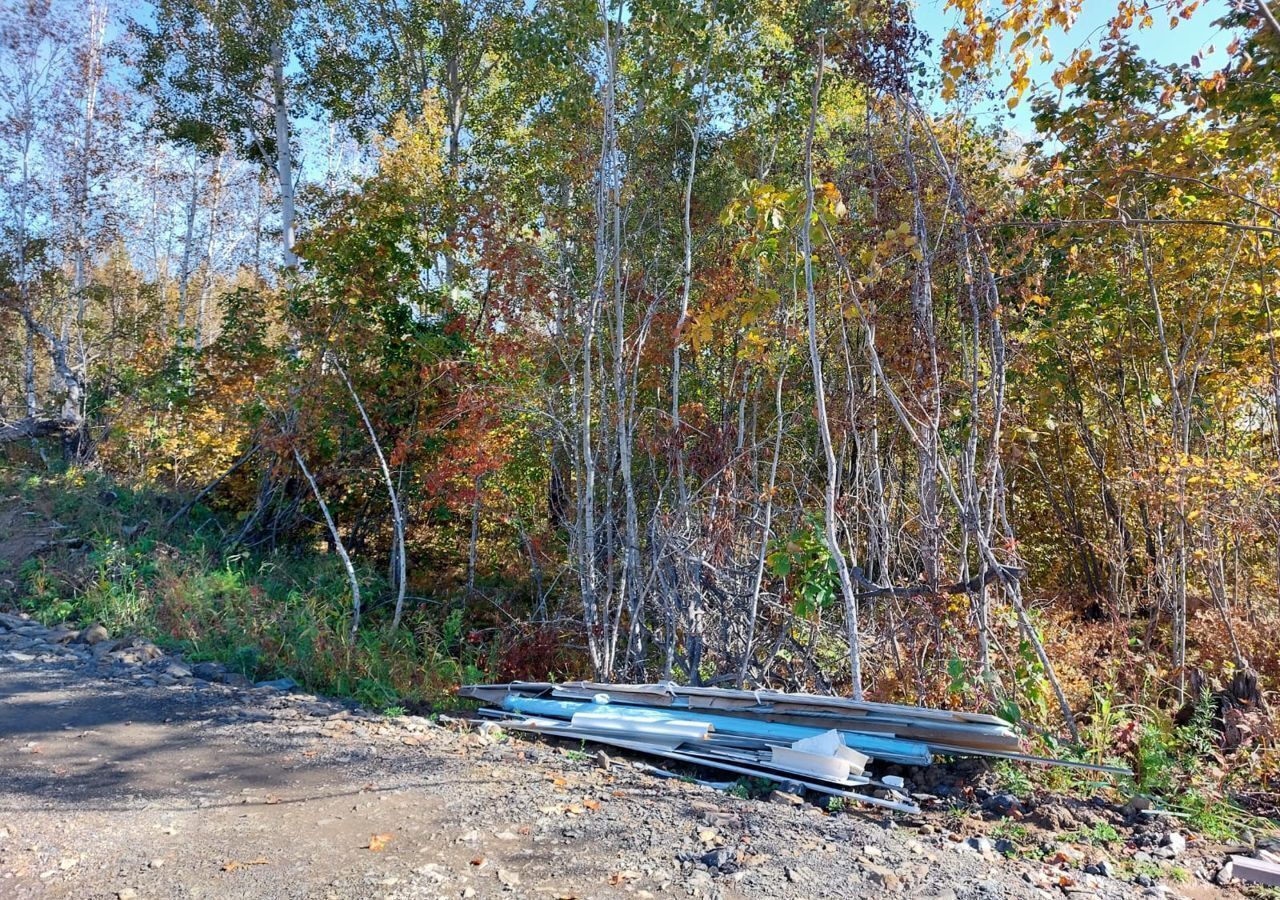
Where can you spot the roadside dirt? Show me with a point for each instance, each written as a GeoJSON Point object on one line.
{"type": "Point", "coordinates": [124, 775]}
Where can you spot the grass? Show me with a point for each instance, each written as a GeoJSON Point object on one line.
{"type": "Point", "coordinates": [1100, 835]}
{"type": "Point", "coordinates": [1182, 768]}
{"type": "Point", "coordinates": [1009, 830]}
{"type": "Point", "coordinates": [749, 787]}
{"type": "Point", "coordinates": [264, 615]}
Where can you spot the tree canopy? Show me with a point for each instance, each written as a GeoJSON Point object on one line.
{"type": "Point", "coordinates": [719, 342]}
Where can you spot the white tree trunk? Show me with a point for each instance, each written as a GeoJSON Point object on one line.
{"type": "Point", "coordinates": [284, 154]}
{"type": "Point", "coordinates": [820, 394]}
{"type": "Point", "coordinates": [337, 544]}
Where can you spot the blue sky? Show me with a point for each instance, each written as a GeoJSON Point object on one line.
{"type": "Point", "coordinates": [1160, 43]}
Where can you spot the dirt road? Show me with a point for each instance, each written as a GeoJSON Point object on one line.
{"type": "Point", "coordinates": [123, 774]}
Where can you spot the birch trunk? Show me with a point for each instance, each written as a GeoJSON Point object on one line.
{"type": "Point", "coordinates": [337, 544]}
{"type": "Point", "coordinates": [820, 398]}
{"type": "Point", "coordinates": [397, 517]}
{"type": "Point", "coordinates": [284, 153]}
{"type": "Point", "coordinates": [184, 273]}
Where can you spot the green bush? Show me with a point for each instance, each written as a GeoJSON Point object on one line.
{"type": "Point", "coordinates": [264, 615]}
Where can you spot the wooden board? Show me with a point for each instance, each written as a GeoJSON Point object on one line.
{"type": "Point", "coordinates": [842, 703]}
{"type": "Point", "coordinates": [983, 737]}
{"type": "Point", "coordinates": [1255, 871]}
{"type": "Point", "coordinates": [752, 771]}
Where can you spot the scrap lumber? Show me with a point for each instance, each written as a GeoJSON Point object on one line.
{"type": "Point", "coordinates": [944, 750]}
{"type": "Point", "coordinates": [910, 753]}
{"type": "Point", "coordinates": [800, 737]}
{"type": "Point", "coordinates": [711, 762]}
{"type": "Point", "coordinates": [1256, 871]}
{"type": "Point", "coordinates": [843, 703]}
{"type": "Point", "coordinates": [986, 736]}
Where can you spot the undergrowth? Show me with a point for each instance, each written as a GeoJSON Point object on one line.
{"type": "Point", "coordinates": [263, 614]}
{"type": "Point", "coordinates": [1182, 769]}
{"type": "Point", "coordinates": [287, 613]}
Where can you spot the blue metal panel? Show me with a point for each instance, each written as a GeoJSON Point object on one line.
{"type": "Point", "coordinates": [911, 753]}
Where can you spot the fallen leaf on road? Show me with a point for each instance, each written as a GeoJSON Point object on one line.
{"type": "Point", "coordinates": [590, 804]}
{"type": "Point", "coordinates": [379, 842]}
{"type": "Point", "coordinates": [232, 865]}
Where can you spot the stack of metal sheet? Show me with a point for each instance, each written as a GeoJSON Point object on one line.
{"type": "Point", "coordinates": [821, 743]}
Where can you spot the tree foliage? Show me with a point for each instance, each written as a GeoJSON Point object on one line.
{"type": "Point", "coordinates": [689, 340]}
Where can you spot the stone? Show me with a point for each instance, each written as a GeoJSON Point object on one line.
{"type": "Point", "coordinates": [1104, 867]}
{"type": "Point", "coordinates": [602, 760]}
{"type": "Point", "coordinates": [717, 858]}
{"type": "Point", "coordinates": [127, 894]}
{"type": "Point", "coordinates": [785, 798]}
{"type": "Point", "coordinates": [148, 651]}
{"type": "Point", "coordinates": [102, 648]}
{"type": "Point", "coordinates": [1065, 853]}
{"type": "Point", "coordinates": [278, 684]}
{"type": "Point", "coordinates": [981, 844]}
{"type": "Point", "coordinates": [209, 671]}
{"type": "Point", "coordinates": [1137, 803]}
{"type": "Point", "coordinates": [177, 670]}
{"type": "Point", "coordinates": [1175, 842]}
{"type": "Point", "coordinates": [236, 680]}
{"type": "Point", "coordinates": [1056, 817]}
{"type": "Point", "coordinates": [882, 877]}
{"type": "Point", "coordinates": [1225, 875]}
{"type": "Point", "coordinates": [508, 878]}
{"type": "Point", "coordinates": [435, 872]}
{"type": "Point", "coordinates": [94, 634]}
{"type": "Point", "coordinates": [1004, 805]}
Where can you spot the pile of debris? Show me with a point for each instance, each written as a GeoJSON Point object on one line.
{"type": "Point", "coordinates": [823, 744]}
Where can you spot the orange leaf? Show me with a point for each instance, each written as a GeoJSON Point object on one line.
{"type": "Point", "coordinates": [378, 842]}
